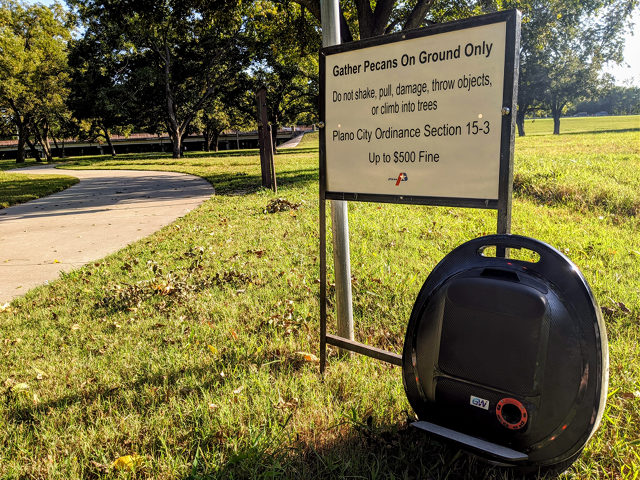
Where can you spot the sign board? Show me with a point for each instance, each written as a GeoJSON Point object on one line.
{"type": "Point", "coordinates": [424, 116]}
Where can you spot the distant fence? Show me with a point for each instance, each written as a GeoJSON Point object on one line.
{"type": "Point", "coordinates": [147, 143]}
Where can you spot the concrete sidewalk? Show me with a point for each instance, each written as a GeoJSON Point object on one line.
{"type": "Point", "coordinates": [105, 211]}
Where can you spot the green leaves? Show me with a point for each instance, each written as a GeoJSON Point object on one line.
{"type": "Point", "coordinates": [33, 66]}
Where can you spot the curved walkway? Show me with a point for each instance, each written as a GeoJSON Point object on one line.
{"type": "Point", "coordinates": [105, 211]}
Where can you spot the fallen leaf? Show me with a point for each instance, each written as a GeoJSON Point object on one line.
{"type": "Point", "coordinates": [629, 395]}
{"type": "Point", "coordinates": [20, 387]}
{"type": "Point", "coordinates": [234, 334]}
{"type": "Point", "coordinates": [282, 405]}
{"type": "Point", "coordinates": [238, 390]}
{"type": "Point", "coordinates": [98, 466]}
{"type": "Point", "coordinates": [623, 307]}
{"type": "Point", "coordinates": [128, 462]}
{"type": "Point", "coordinates": [5, 308]}
{"type": "Point", "coordinates": [308, 357]}
{"type": "Point", "coordinates": [212, 407]}
{"type": "Point", "coordinates": [608, 311]}
{"type": "Point", "coordinates": [212, 349]}
{"type": "Point", "coordinates": [75, 326]}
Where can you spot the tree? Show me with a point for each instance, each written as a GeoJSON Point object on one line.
{"type": "Point", "coordinates": [177, 53]}
{"type": "Point", "coordinates": [287, 42]}
{"type": "Point", "coordinates": [563, 47]}
{"type": "Point", "coordinates": [229, 110]}
{"type": "Point", "coordinates": [33, 68]}
{"type": "Point", "coordinates": [360, 19]}
{"type": "Point", "coordinates": [612, 99]}
{"type": "Point", "coordinates": [99, 97]}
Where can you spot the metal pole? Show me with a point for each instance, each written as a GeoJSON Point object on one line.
{"type": "Point", "coordinates": [330, 13]}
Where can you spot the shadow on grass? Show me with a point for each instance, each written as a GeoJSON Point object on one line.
{"type": "Point", "coordinates": [127, 157]}
{"type": "Point", "coordinates": [28, 414]}
{"type": "Point", "coordinates": [97, 194]}
{"type": "Point", "coordinates": [244, 184]}
{"type": "Point", "coordinates": [355, 449]}
{"type": "Point", "coordinates": [20, 190]}
{"type": "Point", "coordinates": [591, 132]}
{"type": "Point", "coordinates": [237, 183]}
{"type": "Point", "coordinates": [583, 132]}
{"type": "Point", "coordinates": [363, 451]}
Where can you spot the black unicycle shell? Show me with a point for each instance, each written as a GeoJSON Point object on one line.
{"type": "Point", "coordinates": [509, 351]}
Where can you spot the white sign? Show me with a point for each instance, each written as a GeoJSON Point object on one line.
{"type": "Point", "coordinates": [418, 117]}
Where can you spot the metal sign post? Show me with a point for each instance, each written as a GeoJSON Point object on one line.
{"type": "Point", "coordinates": [420, 117]}
{"type": "Point", "coordinates": [339, 213]}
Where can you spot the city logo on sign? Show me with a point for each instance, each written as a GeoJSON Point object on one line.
{"type": "Point", "coordinates": [479, 402]}
{"type": "Point", "coordinates": [402, 177]}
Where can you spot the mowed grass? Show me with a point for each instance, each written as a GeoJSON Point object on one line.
{"type": "Point", "coordinates": [193, 350]}
{"type": "Point", "coordinates": [19, 187]}
{"type": "Point", "coordinates": [593, 164]}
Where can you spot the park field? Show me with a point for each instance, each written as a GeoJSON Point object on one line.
{"type": "Point", "coordinates": [19, 188]}
{"type": "Point", "coordinates": [193, 353]}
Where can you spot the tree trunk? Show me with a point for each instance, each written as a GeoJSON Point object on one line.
{"type": "Point", "coordinates": [22, 136]}
{"type": "Point", "coordinates": [107, 137]}
{"type": "Point", "coordinates": [520, 121]}
{"type": "Point", "coordinates": [207, 139]}
{"type": "Point", "coordinates": [174, 128]}
{"type": "Point", "coordinates": [46, 147]}
{"type": "Point", "coordinates": [42, 136]}
{"type": "Point", "coordinates": [176, 140]}
{"type": "Point", "coordinates": [55, 142]}
{"type": "Point", "coordinates": [556, 111]}
{"type": "Point", "coordinates": [216, 136]}
{"type": "Point", "coordinates": [34, 150]}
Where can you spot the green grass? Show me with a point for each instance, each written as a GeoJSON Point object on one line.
{"type": "Point", "coordinates": [19, 188]}
{"type": "Point", "coordinates": [580, 125]}
{"type": "Point", "coordinates": [598, 169]}
{"type": "Point", "coordinates": [190, 348]}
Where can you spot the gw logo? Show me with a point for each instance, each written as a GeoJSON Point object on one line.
{"type": "Point", "coordinates": [479, 402]}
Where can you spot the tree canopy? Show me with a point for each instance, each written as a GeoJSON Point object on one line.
{"type": "Point", "coordinates": [186, 66]}
{"type": "Point", "coordinates": [174, 54]}
{"type": "Point", "coordinates": [563, 48]}
{"type": "Point", "coordinates": [33, 68]}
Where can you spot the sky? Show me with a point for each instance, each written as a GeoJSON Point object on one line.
{"type": "Point", "coordinates": [628, 73]}
{"type": "Point", "coordinates": [625, 74]}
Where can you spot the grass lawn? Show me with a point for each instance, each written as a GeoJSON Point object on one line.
{"type": "Point", "coordinates": [191, 353]}
{"type": "Point", "coordinates": [19, 187]}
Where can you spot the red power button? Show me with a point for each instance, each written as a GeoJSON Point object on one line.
{"type": "Point", "coordinates": [511, 413]}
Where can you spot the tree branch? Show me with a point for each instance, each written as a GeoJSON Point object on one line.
{"type": "Point", "coordinates": [418, 13]}
{"type": "Point", "coordinates": [381, 15]}
{"type": "Point", "coordinates": [313, 6]}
